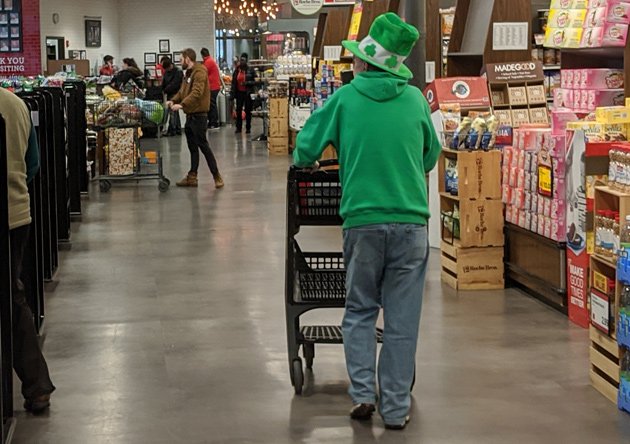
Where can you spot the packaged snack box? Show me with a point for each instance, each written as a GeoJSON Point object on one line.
{"type": "Point", "coordinates": [567, 18]}
{"type": "Point", "coordinates": [612, 114]}
{"type": "Point", "coordinates": [563, 38]}
{"type": "Point", "coordinates": [617, 12]}
{"type": "Point", "coordinates": [615, 34]}
{"type": "Point", "coordinates": [601, 79]}
{"type": "Point", "coordinates": [563, 98]}
{"type": "Point", "coordinates": [568, 4]}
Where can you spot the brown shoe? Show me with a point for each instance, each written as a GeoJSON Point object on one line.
{"type": "Point", "coordinates": [189, 181]}
{"type": "Point", "coordinates": [218, 182]}
{"type": "Point", "coordinates": [37, 405]}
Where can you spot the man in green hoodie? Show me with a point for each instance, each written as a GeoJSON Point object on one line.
{"type": "Point", "coordinates": [381, 127]}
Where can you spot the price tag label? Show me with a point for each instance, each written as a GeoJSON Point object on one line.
{"type": "Point", "coordinates": [545, 181]}
{"type": "Point", "coordinates": [600, 311]}
{"type": "Point", "coordinates": [35, 118]}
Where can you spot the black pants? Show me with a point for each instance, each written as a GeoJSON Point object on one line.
{"type": "Point", "coordinates": [213, 115]}
{"type": "Point", "coordinates": [243, 99]}
{"type": "Point", "coordinates": [174, 123]}
{"type": "Point", "coordinates": [196, 127]}
{"type": "Point", "coordinates": [28, 360]}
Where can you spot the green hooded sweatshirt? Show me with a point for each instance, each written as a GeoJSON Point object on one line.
{"type": "Point", "coordinates": [382, 130]}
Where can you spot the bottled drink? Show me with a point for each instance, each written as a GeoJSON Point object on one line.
{"type": "Point", "coordinates": [625, 366]}
{"type": "Point", "coordinates": [616, 233]}
{"type": "Point", "coordinates": [624, 241]}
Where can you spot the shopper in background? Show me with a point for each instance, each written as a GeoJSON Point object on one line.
{"type": "Point", "coordinates": [23, 163]}
{"type": "Point", "coordinates": [381, 127]}
{"type": "Point", "coordinates": [171, 83]}
{"type": "Point", "coordinates": [194, 98]}
{"type": "Point", "coordinates": [214, 81]}
{"type": "Point", "coordinates": [243, 81]}
{"type": "Point", "coordinates": [129, 73]}
{"type": "Point", "coordinates": [108, 66]}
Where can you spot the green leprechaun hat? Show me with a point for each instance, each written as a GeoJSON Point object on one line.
{"type": "Point", "coordinates": [388, 44]}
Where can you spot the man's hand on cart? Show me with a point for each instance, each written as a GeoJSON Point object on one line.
{"type": "Point", "coordinates": [315, 167]}
{"type": "Point", "coordinates": [172, 106]}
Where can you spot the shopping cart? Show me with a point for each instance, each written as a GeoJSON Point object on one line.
{"type": "Point", "coordinates": [124, 159]}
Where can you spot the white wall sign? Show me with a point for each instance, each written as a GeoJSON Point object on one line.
{"type": "Point", "coordinates": [509, 36]}
{"type": "Point", "coordinates": [307, 7]}
{"type": "Point", "coordinates": [332, 53]}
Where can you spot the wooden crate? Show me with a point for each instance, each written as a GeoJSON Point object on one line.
{"type": "Point", "coordinates": [279, 108]}
{"type": "Point", "coordinates": [604, 357]}
{"type": "Point", "coordinates": [480, 221]}
{"type": "Point", "coordinates": [278, 145]}
{"type": "Point", "coordinates": [472, 268]}
{"type": "Point", "coordinates": [279, 127]}
{"type": "Point", "coordinates": [479, 173]}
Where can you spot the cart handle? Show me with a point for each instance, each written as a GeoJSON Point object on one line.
{"type": "Point", "coordinates": [322, 164]}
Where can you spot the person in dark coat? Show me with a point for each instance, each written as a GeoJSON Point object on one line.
{"type": "Point", "coordinates": [129, 73]}
{"type": "Point", "coordinates": [243, 82]}
{"type": "Point", "coordinates": [171, 83]}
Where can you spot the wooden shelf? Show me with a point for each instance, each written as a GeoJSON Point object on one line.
{"type": "Point", "coordinates": [449, 196]}
{"type": "Point", "coordinates": [609, 190]}
{"type": "Point", "coordinates": [604, 261]}
{"type": "Point", "coordinates": [552, 67]}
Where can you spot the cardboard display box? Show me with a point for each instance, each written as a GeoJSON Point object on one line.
{"type": "Point", "coordinates": [472, 268]}
{"type": "Point", "coordinates": [279, 108]}
{"type": "Point", "coordinates": [278, 145]}
{"type": "Point", "coordinates": [278, 127]}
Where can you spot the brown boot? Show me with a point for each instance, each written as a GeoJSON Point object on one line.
{"type": "Point", "coordinates": [218, 182]}
{"type": "Point", "coordinates": [189, 181]}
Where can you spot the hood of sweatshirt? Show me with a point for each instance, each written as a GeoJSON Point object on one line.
{"type": "Point", "coordinates": [379, 86]}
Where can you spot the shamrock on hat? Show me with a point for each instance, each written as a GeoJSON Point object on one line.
{"type": "Point", "coordinates": [388, 44]}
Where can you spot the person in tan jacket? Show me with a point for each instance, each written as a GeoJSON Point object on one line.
{"type": "Point", "coordinates": [23, 163]}
{"type": "Point", "coordinates": [194, 98]}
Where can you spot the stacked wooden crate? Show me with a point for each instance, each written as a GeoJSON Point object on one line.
{"type": "Point", "coordinates": [472, 244]}
{"type": "Point", "coordinates": [278, 139]}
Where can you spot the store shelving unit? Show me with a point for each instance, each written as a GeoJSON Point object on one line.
{"type": "Point", "coordinates": [472, 244]}
{"type": "Point", "coordinates": [471, 44]}
{"type": "Point", "coordinates": [604, 353]}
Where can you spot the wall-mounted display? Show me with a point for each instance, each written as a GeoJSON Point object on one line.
{"type": "Point", "coordinates": [177, 58]}
{"type": "Point", "coordinates": [10, 26]}
{"type": "Point", "coordinates": [93, 33]}
{"type": "Point", "coordinates": [150, 58]}
{"type": "Point", "coordinates": [165, 46]}
{"type": "Point", "coordinates": [161, 56]}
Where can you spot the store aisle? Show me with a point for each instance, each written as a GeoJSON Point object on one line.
{"type": "Point", "coordinates": [167, 326]}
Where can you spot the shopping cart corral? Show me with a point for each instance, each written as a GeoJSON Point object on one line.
{"type": "Point", "coordinates": [313, 280]}
{"type": "Point", "coordinates": [122, 157]}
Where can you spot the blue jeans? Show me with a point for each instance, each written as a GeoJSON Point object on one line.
{"type": "Point", "coordinates": [386, 267]}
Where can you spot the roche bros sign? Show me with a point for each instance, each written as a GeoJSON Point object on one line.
{"type": "Point", "coordinates": [12, 65]}
{"type": "Point", "coordinates": [307, 7]}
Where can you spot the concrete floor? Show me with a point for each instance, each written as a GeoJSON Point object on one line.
{"type": "Point", "coordinates": [167, 326]}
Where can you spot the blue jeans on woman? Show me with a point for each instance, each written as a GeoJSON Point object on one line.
{"type": "Point", "coordinates": [385, 267]}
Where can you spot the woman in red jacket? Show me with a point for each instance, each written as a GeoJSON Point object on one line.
{"type": "Point", "coordinates": [215, 87]}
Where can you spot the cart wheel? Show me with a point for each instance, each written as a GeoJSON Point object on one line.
{"type": "Point", "coordinates": [298, 376]}
{"type": "Point", "coordinates": [105, 185]}
{"type": "Point", "coordinates": [165, 179]}
{"type": "Point", "coordinates": [413, 382]}
{"type": "Point", "coordinates": [163, 186]}
{"type": "Point", "coordinates": [309, 355]}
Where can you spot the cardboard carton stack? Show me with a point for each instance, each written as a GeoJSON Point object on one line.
{"type": "Point", "coordinates": [278, 140]}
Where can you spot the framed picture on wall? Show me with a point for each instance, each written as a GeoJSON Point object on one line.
{"type": "Point", "coordinates": [165, 46]}
{"type": "Point", "coordinates": [177, 58]}
{"type": "Point", "coordinates": [150, 58]}
{"type": "Point", "coordinates": [161, 56]}
{"type": "Point", "coordinates": [4, 18]}
{"type": "Point", "coordinates": [93, 33]}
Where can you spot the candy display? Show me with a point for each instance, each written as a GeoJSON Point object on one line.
{"type": "Point", "coordinates": [587, 24]}
{"type": "Point", "coordinates": [121, 151]}
{"type": "Point", "coordinates": [534, 189]}
{"type": "Point", "coordinates": [477, 131]}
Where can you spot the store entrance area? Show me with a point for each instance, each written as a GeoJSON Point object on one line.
{"type": "Point", "coordinates": [167, 326]}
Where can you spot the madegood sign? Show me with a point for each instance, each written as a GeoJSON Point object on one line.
{"type": "Point", "coordinates": [307, 7]}
{"type": "Point", "coordinates": [515, 71]}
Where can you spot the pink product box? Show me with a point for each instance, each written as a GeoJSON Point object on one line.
{"type": "Point", "coordinates": [520, 181]}
{"type": "Point", "coordinates": [508, 213]}
{"type": "Point", "coordinates": [528, 181]}
{"type": "Point", "coordinates": [610, 35]}
{"type": "Point", "coordinates": [559, 119]}
{"type": "Point", "coordinates": [593, 98]}
{"type": "Point", "coordinates": [522, 217]}
{"type": "Point", "coordinates": [533, 139]}
{"type": "Point", "coordinates": [518, 198]}
{"type": "Point", "coordinates": [528, 220]}
{"type": "Point", "coordinates": [601, 78]}
{"type": "Point", "coordinates": [558, 208]}
{"type": "Point", "coordinates": [513, 176]}
{"type": "Point", "coordinates": [521, 160]}
{"type": "Point", "coordinates": [534, 225]}
{"type": "Point", "coordinates": [563, 98]}
{"type": "Point", "coordinates": [508, 151]}
{"type": "Point", "coordinates": [505, 174]}
{"type": "Point", "coordinates": [547, 230]}
{"type": "Point", "coordinates": [534, 202]}
{"type": "Point", "coordinates": [617, 12]}
{"type": "Point", "coordinates": [556, 144]}
{"type": "Point", "coordinates": [597, 3]}
{"type": "Point", "coordinates": [558, 229]}
{"type": "Point", "coordinates": [540, 205]}
{"type": "Point", "coordinates": [527, 206]}
{"type": "Point", "coordinates": [541, 225]}
{"type": "Point", "coordinates": [547, 207]}
{"type": "Point", "coordinates": [534, 188]}
{"type": "Point", "coordinates": [506, 195]}
{"type": "Point", "coordinates": [566, 78]}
